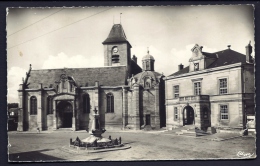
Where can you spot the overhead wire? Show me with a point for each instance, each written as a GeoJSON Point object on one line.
{"type": "Point", "coordinates": [35, 22]}
{"type": "Point", "coordinates": [59, 28]}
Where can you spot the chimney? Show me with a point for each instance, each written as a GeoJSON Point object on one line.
{"type": "Point", "coordinates": [96, 84]}
{"type": "Point", "coordinates": [134, 58]}
{"type": "Point", "coordinates": [180, 67]}
{"type": "Point", "coordinates": [201, 47]}
{"type": "Point", "coordinates": [248, 53]}
{"type": "Point", "coordinates": [40, 85]}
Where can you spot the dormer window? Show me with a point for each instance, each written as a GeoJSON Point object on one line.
{"type": "Point", "coordinates": [196, 66]}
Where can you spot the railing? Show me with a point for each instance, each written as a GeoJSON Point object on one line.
{"type": "Point", "coordinates": [190, 98]}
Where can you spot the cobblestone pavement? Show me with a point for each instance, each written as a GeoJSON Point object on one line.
{"type": "Point", "coordinates": [156, 145]}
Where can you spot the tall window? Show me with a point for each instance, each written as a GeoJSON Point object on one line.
{"type": "Point", "coordinates": [33, 105]}
{"type": "Point", "coordinates": [175, 113]}
{"type": "Point", "coordinates": [223, 112]}
{"type": "Point", "coordinates": [147, 65]}
{"type": "Point", "coordinates": [63, 84]}
{"type": "Point", "coordinates": [176, 91]}
{"type": "Point", "coordinates": [223, 86]}
{"type": "Point", "coordinates": [49, 105]}
{"type": "Point", "coordinates": [71, 86]}
{"type": "Point", "coordinates": [57, 88]}
{"type": "Point", "coordinates": [197, 88]}
{"type": "Point", "coordinates": [110, 102]}
{"type": "Point", "coordinates": [86, 104]}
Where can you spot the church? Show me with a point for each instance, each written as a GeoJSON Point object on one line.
{"type": "Point", "coordinates": [126, 96]}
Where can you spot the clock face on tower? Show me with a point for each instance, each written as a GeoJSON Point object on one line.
{"type": "Point", "coordinates": [115, 50]}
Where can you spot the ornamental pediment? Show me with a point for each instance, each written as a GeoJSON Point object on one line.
{"type": "Point", "coordinates": [196, 53]}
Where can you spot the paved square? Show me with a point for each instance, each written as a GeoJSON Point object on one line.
{"type": "Point", "coordinates": [154, 145]}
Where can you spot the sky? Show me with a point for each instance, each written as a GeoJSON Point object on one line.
{"type": "Point", "coordinates": [49, 38]}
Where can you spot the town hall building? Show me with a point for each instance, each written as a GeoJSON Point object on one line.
{"type": "Point", "coordinates": [125, 95]}
{"type": "Point", "coordinates": [215, 90]}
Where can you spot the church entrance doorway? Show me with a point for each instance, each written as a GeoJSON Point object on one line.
{"type": "Point", "coordinates": [65, 114]}
{"type": "Point", "coordinates": [188, 116]}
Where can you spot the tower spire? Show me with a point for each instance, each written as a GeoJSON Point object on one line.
{"type": "Point", "coordinates": [147, 50]}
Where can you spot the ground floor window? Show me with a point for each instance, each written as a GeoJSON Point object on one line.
{"type": "Point", "coordinates": [175, 113]}
{"type": "Point", "coordinates": [224, 112]}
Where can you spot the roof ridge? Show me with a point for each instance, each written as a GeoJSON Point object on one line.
{"type": "Point", "coordinates": [69, 68]}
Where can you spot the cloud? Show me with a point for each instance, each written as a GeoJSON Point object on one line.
{"type": "Point", "coordinates": [14, 78]}
{"type": "Point", "coordinates": [78, 61]}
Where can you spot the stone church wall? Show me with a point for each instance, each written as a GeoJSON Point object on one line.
{"type": "Point", "coordinates": [113, 120]}
{"type": "Point", "coordinates": [85, 119]}
{"type": "Point", "coordinates": [147, 106]}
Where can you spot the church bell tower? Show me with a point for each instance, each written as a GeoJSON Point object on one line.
{"type": "Point", "coordinates": [117, 49]}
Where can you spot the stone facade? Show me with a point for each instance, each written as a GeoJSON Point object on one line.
{"type": "Point", "coordinates": [65, 98]}
{"type": "Point", "coordinates": [215, 90]}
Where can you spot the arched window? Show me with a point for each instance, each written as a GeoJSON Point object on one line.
{"type": "Point", "coordinates": [147, 65]}
{"type": "Point", "coordinates": [71, 87]}
{"type": "Point", "coordinates": [33, 105]}
{"type": "Point", "coordinates": [86, 103]}
{"type": "Point", "coordinates": [110, 102]}
{"type": "Point", "coordinates": [63, 84]}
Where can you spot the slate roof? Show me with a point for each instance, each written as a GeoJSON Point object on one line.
{"type": "Point", "coordinates": [107, 76]}
{"type": "Point", "coordinates": [135, 68]}
{"type": "Point", "coordinates": [183, 71]}
{"type": "Point", "coordinates": [228, 57]}
{"type": "Point", "coordinates": [223, 58]}
{"type": "Point", "coordinates": [116, 34]}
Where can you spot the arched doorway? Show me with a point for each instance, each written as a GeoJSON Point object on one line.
{"type": "Point", "coordinates": [64, 114]}
{"type": "Point", "coordinates": [188, 116]}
